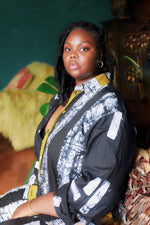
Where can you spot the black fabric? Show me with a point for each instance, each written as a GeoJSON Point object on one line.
{"type": "Point", "coordinates": [24, 220]}
{"type": "Point", "coordinates": [121, 150]}
{"type": "Point", "coordinates": [39, 132]}
{"type": "Point", "coordinates": [60, 136]}
{"type": "Point", "coordinates": [19, 221]}
{"type": "Point", "coordinates": [11, 197]}
{"type": "Point", "coordinates": [112, 161]}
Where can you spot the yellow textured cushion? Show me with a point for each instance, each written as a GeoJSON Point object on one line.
{"type": "Point", "coordinates": [19, 109]}
{"type": "Point", "coordinates": [39, 72]}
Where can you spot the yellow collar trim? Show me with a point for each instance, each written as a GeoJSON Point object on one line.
{"type": "Point", "coordinates": [102, 79]}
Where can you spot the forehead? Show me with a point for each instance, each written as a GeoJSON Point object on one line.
{"type": "Point", "coordinates": [82, 35]}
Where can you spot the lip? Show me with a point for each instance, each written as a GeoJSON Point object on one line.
{"type": "Point", "coordinates": [73, 65]}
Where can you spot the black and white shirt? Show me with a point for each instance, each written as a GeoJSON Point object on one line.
{"type": "Point", "coordinates": [87, 167]}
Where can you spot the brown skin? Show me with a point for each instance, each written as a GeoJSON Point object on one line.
{"type": "Point", "coordinates": [41, 205]}
{"type": "Point", "coordinates": [80, 60]}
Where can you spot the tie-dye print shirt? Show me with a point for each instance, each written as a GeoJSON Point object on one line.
{"type": "Point", "coordinates": [87, 167]}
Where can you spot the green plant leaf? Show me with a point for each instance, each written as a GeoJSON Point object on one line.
{"type": "Point", "coordinates": [45, 88]}
{"type": "Point", "coordinates": [44, 109]}
{"type": "Point", "coordinates": [51, 81]}
{"type": "Point", "coordinates": [49, 88]}
{"type": "Point", "coordinates": [134, 63]}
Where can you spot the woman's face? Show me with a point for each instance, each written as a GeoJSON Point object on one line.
{"type": "Point", "coordinates": [80, 55]}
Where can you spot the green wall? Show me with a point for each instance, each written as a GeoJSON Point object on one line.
{"type": "Point", "coordinates": [29, 29]}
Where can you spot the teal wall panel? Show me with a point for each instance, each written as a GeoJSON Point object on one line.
{"type": "Point", "coordinates": [29, 29]}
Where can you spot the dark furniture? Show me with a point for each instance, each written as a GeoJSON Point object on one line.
{"type": "Point", "coordinates": [131, 38]}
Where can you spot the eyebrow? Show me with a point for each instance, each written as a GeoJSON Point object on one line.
{"type": "Point", "coordinates": [79, 43]}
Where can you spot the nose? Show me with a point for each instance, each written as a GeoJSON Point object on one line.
{"type": "Point", "coordinates": [73, 55]}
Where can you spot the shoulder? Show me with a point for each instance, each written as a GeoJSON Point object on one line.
{"type": "Point", "coordinates": [110, 106]}
{"type": "Point", "coordinates": [112, 100]}
{"type": "Point", "coordinates": [108, 100]}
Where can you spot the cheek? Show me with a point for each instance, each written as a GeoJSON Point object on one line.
{"type": "Point", "coordinates": [91, 63]}
{"type": "Point", "coordinates": [94, 61]}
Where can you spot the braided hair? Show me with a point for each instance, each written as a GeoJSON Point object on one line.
{"type": "Point", "coordinates": [65, 82]}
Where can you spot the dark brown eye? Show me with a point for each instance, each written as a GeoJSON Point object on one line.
{"type": "Point", "coordinates": [84, 49]}
{"type": "Point", "coordinates": [67, 49]}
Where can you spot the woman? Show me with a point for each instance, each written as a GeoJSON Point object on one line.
{"type": "Point", "coordinates": [85, 144]}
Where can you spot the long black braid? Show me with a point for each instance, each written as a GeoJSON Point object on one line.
{"type": "Point", "coordinates": [65, 82]}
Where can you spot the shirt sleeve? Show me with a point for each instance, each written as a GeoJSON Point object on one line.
{"type": "Point", "coordinates": [110, 151]}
